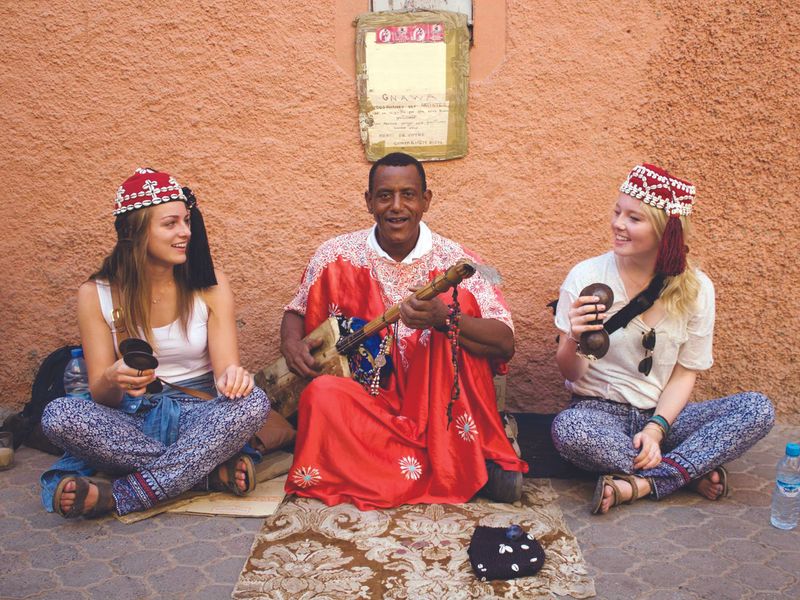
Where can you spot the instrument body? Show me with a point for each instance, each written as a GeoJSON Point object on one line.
{"type": "Point", "coordinates": [284, 387]}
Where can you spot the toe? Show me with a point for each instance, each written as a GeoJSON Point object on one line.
{"type": "Point", "coordinates": [68, 496]}
{"type": "Point", "coordinates": [608, 499]}
{"type": "Point", "coordinates": [715, 491]}
{"type": "Point", "coordinates": [241, 481]}
{"type": "Point", "coordinates": [241, 475]}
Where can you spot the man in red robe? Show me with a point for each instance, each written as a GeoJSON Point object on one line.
{"type": "Point", "coordinates": [398, 445]}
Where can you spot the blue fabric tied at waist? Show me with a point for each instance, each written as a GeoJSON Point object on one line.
{"type": "Point", "coordinates": [164, 411]}
{"type": "Point", "coordinates": [160, 423]}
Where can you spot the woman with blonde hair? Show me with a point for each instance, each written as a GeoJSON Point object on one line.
{"type": "Point", "coordinates": [630, 418]}
{"type": "Point", "coordinates": [179, 419]}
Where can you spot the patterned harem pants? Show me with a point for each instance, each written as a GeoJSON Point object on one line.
{"type": "Point", "coordinates": [112, 441]}
{"type": "Point", "coordinates": [596, 435]}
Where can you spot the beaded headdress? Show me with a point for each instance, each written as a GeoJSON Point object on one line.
{"type": "Point", "coordinates": [656, 187]}
{"type": "Point", "coordinates": [144, 188]}
{"type": "Point", "coordinates": [148, 187]}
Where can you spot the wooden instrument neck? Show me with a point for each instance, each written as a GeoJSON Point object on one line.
{"type": "Point", "coordinates": [439, 284]}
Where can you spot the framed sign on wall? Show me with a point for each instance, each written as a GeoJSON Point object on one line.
{"type": "Point", "coordinates": [412, 76]}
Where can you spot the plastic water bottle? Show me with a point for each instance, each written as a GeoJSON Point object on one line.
{"type": "Point", "coordinates": [786, 495]}
{"type": "Point", "coordinates": [76, 377]}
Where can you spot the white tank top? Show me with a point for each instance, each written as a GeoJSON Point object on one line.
{"type": "Point", "coordinates": [179, 358]}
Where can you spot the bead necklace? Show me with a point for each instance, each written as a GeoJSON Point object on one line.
{"type": "Point", "coordinates": [453, 331]}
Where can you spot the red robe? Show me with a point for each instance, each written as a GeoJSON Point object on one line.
{"type": "Point", "coordinates": [396, 448]}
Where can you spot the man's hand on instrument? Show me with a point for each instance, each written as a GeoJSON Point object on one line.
{"type": "Point", "coordinates": [423, 314]}
{"type": "Point", "coordinates": [298, 356]}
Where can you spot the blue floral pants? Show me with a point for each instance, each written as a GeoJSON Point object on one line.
{"type": "Point", "coordinates": [113, 441]}
{"type": "Point", "coordinates": [596, 435]}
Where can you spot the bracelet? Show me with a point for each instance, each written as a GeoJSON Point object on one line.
{"type": "Point", "coordinates": [657, 426]}
{"type": "Point", "coordinates": [569, 337]}
{"type": "Point", "coordinates": [661, 422]}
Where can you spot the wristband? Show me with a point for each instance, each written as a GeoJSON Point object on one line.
{"type": "Point", "coordinates": [661, 422]}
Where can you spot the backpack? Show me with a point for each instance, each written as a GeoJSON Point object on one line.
{"type": "Point", "coordinates": [47, 385]}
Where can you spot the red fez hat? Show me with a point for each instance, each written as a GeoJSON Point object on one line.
{"type": "Point", "coordinates": [656, 187]}
{"type": "Point", "coordinates": [144, 188]}
{"type": "Point", "coordinates": [148, 187]}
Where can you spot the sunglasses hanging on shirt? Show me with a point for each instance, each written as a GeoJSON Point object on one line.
{"type": "Point", "coordinates": [649, 343]}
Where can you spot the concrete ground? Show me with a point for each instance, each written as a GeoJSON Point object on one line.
{"type": "Point", "coordinates": [684, 547]}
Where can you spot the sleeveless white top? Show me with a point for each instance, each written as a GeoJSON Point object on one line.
{"type": "Point", "coordinates": [180, 356]}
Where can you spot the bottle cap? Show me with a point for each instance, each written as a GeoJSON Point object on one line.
{"type": "Point", "coordinates": [793, 449]}
{"type": "Point", "coordinates": [76, 352]}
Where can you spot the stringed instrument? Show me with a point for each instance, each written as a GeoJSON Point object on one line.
{"type": "Point", "coordinates": [284, 387]}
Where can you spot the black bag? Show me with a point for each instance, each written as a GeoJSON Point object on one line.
{"type": "Point", "coordinates": [47, 385]}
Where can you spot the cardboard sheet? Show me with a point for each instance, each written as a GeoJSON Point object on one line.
{"type": "Point", "coordinates": [262, 502]}
{"type": "Point", "coordinates": [273, 465]}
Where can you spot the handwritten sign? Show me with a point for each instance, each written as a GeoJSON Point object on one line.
{"type": "Point", "coordinates": [413, 78]}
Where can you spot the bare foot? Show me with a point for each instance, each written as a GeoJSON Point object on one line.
{"type": "Point", "coordinates": [709, 485]}
{"type": "Point", "coordinates": [241, 475]}
{"type": "Point", "coordinates": [68, 497]}
{"type": "Point", "coordinates": [642, 484]}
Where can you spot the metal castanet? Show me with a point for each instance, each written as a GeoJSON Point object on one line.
{"type": "Point", "coordinates": [284, 387]}
{"type": "Point", "coordinates": [595, 344]}
{"type": "Point", "coordinates": [138, 354]}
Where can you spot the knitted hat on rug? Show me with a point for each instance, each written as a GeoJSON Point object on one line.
{"type": "Point", "coordinates": [504, 553]}
{"type": "Point", "coordinates": [148, 187]}
{"type": "Point", "coordinates": [656, 187]}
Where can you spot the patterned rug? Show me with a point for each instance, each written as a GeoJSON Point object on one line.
{"type": "Point", "coordinates": [309, 550]}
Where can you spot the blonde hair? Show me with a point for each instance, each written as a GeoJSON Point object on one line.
{"type": "Point", "coordinates": [680, 291]}
{"type": "Point", "coordinates": [125, 268]}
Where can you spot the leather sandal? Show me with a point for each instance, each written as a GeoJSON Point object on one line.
{"type": "Point", "coordinates": [608, 480]}
{"type": "Point", "coordinates": [227, 483]}
{"type": "Point", "coordinates": [105, 498]}
{"type": "Point", "coordinates": [723, 479]}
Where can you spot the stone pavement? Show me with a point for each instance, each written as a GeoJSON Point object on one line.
{"type": "Point", "coordinates": [686, 547]}
{"type": "Point", "coordinates": [683, 547]}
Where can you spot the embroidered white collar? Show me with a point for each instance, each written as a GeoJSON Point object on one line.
{"type": "Point", "coordinates": [424, 244]}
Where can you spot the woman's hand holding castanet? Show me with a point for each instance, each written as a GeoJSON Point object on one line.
{"type": "Point", "coordinates": [131, 381]}
{"type": "Point", "coordinates": [586, 315]}
{"type": "Point", "coordinates": [583, 315]}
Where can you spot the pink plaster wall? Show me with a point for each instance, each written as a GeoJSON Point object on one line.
{"type": "Point", "coordinates": [248, 103]}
